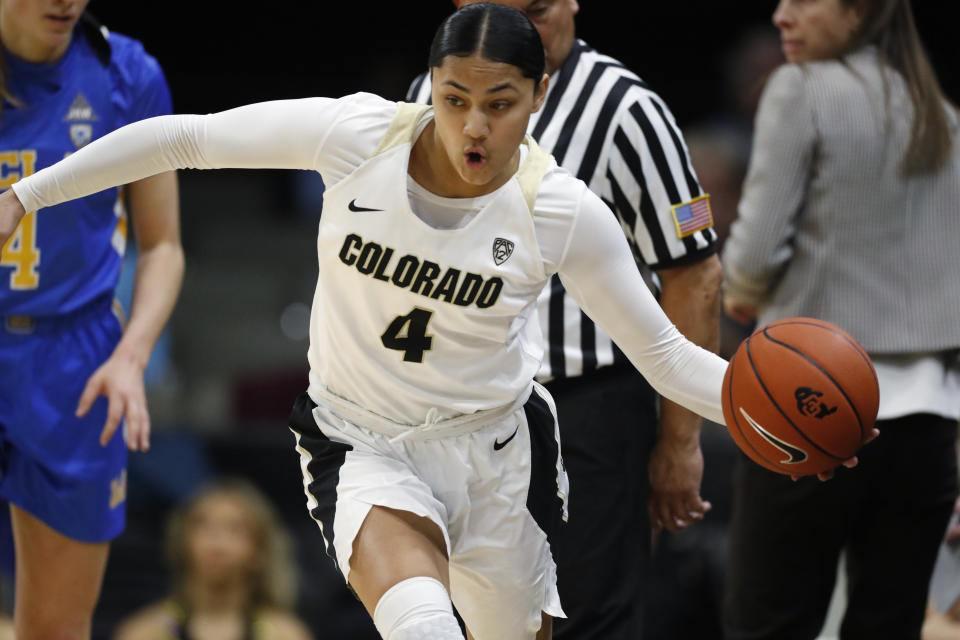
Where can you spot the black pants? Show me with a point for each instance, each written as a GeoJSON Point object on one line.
{"type": "Point", "coordinates": [888, 514]}
{"type": "Point", "coordinates": [607, 429]}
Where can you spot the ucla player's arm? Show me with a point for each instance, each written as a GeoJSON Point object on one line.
{"type": "Point", "coordinates": [284, 134]}
{"type": "Point", "coordinates": [155, 210]}
{"type": "Point", "coordinates": [598, 270]}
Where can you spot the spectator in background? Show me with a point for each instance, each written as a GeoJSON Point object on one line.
{"type": "Point", "coordinates": [65, 81]}
{"type": "Point", "coordinates": [849, 214]}
{"type": "Point", "coordinates": [233, 575]}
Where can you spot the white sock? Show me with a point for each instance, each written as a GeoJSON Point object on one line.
{"type": "Point", "coordinates": [416, 609]}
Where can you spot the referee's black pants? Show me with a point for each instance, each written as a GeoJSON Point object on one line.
{"type": "Point", "coordinates": [608, 422]}
{"type": "Point", "coordinates": [888, 514]}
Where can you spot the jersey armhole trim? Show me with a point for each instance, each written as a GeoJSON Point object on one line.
{"type": "Point", "coordinates": [530, 175]}
{"type": "Point", "coordinates": [402, 127]}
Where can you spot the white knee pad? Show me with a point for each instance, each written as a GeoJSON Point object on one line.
{"type": "Point", "coordinates": [416, 609]}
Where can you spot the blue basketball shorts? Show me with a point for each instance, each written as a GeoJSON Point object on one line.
{"type": "Point", "coordinates": [51, 462]}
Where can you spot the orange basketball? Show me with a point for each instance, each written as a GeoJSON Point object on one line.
{"type": "Point", "coordinates": [800, 396]}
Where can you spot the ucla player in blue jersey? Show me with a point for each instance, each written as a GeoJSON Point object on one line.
{"type": "Point", "coordinates": [65, 81]}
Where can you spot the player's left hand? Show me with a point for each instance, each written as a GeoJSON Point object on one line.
{"type": "Point", "coordinates": [676, 469]}
{"type": "Point", "coordinates": [120, 380]}
{"type": "Point", "coordinates": [849, 463]}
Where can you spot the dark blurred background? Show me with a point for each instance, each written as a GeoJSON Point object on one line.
{"type": "Point", "coordinates": [234, 358]}
{"type": "Point", "coordinates": [219, 55]}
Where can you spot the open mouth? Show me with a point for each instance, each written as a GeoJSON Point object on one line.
{"type": "Point", "coordinates": [476, 159]}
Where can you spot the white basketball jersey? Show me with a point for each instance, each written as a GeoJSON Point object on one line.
{"type": "Point", "coordinates": [416, 323]}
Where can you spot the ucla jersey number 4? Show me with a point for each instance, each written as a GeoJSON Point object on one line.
{"type": "Point", "coordinates": [21, 251]}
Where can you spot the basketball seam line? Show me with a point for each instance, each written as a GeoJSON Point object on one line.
{"type": "Point", "coordinates": [779, 409]}
{"type": "Point", "coordinates": [824, 372]}
{"type": "Point", "coordinates": [853, 343]}
{"type": "Point", "coordinates": [736, 422]}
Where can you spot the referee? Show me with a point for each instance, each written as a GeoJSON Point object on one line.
{"type": "Point", "coordinates": [604, 125]}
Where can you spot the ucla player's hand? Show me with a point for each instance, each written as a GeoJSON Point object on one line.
{"type": "Point", "coordinates": [11, 211]}
{"type": "Point", "coordinates": [120, 380]}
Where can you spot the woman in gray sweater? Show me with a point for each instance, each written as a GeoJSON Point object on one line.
{"type": "Point", "coordinates": [851, 214]}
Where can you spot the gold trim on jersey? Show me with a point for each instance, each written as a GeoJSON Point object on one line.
{"type": "Point", "coordinates": [530, 175]}
{"type": "Point", "coordinates": [403, 126]}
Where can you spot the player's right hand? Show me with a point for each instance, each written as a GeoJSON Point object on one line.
{"type": "Point", "coordinates": [11, 212]}
{"type": "Point", "coordinates": [120, 381]}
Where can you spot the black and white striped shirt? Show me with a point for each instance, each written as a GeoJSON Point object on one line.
{"type": "Point", "coordinates": [604, 125]}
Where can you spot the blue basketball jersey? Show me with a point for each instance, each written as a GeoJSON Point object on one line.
{"type": "Point", "coordinates": [66, 256]}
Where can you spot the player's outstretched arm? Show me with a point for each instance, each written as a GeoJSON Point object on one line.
{"type": "Point", "coordinates": [598, 270]}
{"type": "Point", "coordinates": [11, 211]}
{"type": "Point", "coordinates": [285, 134]}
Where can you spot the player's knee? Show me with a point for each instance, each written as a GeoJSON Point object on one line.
{"type": "Point", "coordinates": [416, 609]}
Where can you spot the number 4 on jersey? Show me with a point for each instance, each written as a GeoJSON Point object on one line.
{"type": "Point", "coordinates": [22, 254]}
{"type": "Point", "coordinates": [409, 334]}
{"type": "Point", "coordinates": [20, 251]}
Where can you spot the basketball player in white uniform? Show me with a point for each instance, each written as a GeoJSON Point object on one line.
{"type": "Point", "coordinates": [429, 455]}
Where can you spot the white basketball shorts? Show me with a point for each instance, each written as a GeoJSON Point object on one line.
{"type": "Point", "coordinates": [497, 492]}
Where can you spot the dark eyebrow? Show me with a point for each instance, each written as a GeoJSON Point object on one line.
{"type": "Point", "coordinates": [499, 87]}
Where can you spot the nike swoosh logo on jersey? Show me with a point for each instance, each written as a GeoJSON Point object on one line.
{"type": "Point", "coordinates": [354, 207]}
{"type": "Point", "coordinates": [796, 455]}
{"type": "Point", "coordinates": [497, 445]}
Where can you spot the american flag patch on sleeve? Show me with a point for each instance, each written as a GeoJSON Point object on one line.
{"type": "Point", "coordinates": [690, 217]}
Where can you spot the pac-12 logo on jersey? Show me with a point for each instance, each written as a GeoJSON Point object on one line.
{"type": "Point", "coordinates": [80, 134]}
{"type": "Point", "coordinates": [502, 250]}
{"type": "Point", "coordinates": [81, 113]}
